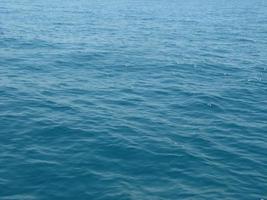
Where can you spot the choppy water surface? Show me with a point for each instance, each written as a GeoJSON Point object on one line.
{"type": "Point", "coordinates": [133, 100]}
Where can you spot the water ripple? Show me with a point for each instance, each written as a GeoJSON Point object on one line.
{"type": "Point", "coordinates": [133, 100]}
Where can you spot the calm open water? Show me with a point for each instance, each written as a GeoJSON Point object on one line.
{"type": "Point", "coordinates": [133, 99]}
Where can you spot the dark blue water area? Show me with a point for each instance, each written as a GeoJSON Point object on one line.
{"type": "Point", "coordinates": [133, 99]}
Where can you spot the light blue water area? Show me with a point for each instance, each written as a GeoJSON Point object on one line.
{"type": "Point", "coordinates": [133, 99]}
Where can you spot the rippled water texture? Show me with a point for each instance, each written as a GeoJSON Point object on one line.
{"type": "Point", "coordinates": [133, 99]}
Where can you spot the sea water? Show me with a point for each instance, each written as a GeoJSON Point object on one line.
{"type": "Point", "coordinates": [133, 99]}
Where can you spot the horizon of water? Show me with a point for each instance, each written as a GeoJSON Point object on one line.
{"type": "Point", "coordinates": [133, 100]}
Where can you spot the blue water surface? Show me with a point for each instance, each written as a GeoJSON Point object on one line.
{"type": "Point", "coordinates": [133, 99]}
